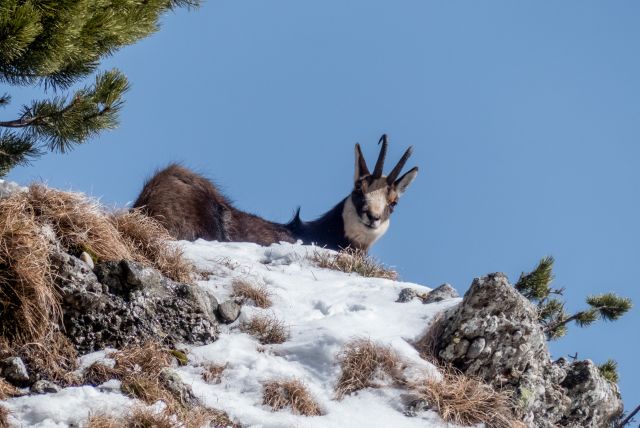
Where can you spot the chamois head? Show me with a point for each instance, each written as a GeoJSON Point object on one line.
{"type": "Point", "coordinates": [374, 196]}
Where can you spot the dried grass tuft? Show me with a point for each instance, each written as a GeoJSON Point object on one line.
{"type": "Point", "coordinates": [80, 223]}
{"type": "Point", "coordinates": [244, 290]}
{"type": "Point", "coordinates": [353, 260]}
{"type": "Point", "coordinates": [212, 373]}
{"type": "Point", "coordinates": [99, 373]}
{"type": "Point", "coordinates": [139, 367]}
{"type": "Point", "coordinates": [53, 358]}
{"type": "Point", "coordinates": [28, 300]}
{"type": "Point", "coordinates": [30, 224]}
{"type": "Point", "coordinates": [280, 394]}
{"type": "Point", "coordinates": [149, 242]}
{"type": "Point", "coordinates": [427, 344]}
{"type": "Point", "coordinates": [7, 390]}
{"type": "Point", "coordinates": [267, 329]}
{"type": "Point", "coordinates": [366, 364]}
{"type": "Point", "coordinates": [4, 417]}
{"type": "Point", "coordinates": [466, 401]}
{"type": "Point", "coordinates": [139, 417]}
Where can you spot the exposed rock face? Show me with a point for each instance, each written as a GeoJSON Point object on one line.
{"type": "Point", "coordinates": [443, 292]}
{"type": "Point", "coordinates": [494, 334]}
{"type": "Point", "coordinates": [14, 370]}
{"type": "Point", "coordinates": [124, 303]}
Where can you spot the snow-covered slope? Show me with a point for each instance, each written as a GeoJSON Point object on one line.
{"type": "Point", "coordinates": [323, 310]}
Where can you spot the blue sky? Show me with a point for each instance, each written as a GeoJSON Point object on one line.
{"type": "Point", "coordinates": [525, 118]}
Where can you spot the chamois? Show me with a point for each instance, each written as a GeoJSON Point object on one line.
{"type": "Point", "coordinates": [191, 207]}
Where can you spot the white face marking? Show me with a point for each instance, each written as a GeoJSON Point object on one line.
{"type": "Point", "coordinates": [356, 231]}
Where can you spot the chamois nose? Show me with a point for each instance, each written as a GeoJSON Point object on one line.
{"type": "Point", "coordinates": [372, 218]}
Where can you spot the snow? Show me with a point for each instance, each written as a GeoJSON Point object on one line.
{"type": "Point", "coordinates": [323, 309]}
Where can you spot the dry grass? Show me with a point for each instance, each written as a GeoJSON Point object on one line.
{"type": "Point", "coordinates": [353, 260]}
{"type": "Point", "coordinates": [139, 369]}
{"type": "Point", "coordinates": [366, 364]}
{"type": "Point", "coordinates": [267, 329]}
{"type": "Point", "coordinates": [7, 390]}
{"type": "Point", "coordinates": [98, 373]}
{"type": "Point", "coordinates": [150, 244]}
{"type": "Point", "coordinates": [466, 401]}
{"type": "Point", "coordinates": [139, 417]}
{"type": "Point", "coordinates": [4, 417]}
{"type": "Point", "coordinates": [53, 358]}
{"type": "Point", "coordinates": [212, 373]}
{"type": "Point", "coordinates": [29, 303]}
{"type": "Point", "coordinates": [427, 344]}
{"type": "Point", "coordinates": [244, 290]}
{"type": "Point", "coordinates": [28, 300]}
{"type": "Point", "coordinates": [290, 393]}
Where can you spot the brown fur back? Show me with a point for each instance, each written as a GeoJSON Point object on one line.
{"type": "Point", "coordinates": [190, 207]}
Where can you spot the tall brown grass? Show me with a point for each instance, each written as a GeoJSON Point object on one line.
{"type": "Point", "coordinates": [4, 417]}
{"type": "Point", "coordinates": [139, 369]}
{"type": "Point", "coordinates": [266, 328]}
{"type": "Point", "coordinates": [427, 343]}
{"type": "Point", "coordinates": [292, 393]}
{"type": "Point", "coordinates": [244, 290]}
{"type": "Point", "coordinates": [32, 224]}
{"type": "Point", "coordinates": [466, 401]}
{"type": "Point", "coordinates": [366, 364]}
{"type": "Point", "coordinates": [353, 261]}
{"type": "Point", "coordinates": [7, 390]}
{"type": "Point", "coordinates": [28, 299]}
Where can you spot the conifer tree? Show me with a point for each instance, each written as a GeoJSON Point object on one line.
{"type": "Point", "coordinates": [56, 44]}
{"type": "Point", "coordinates": [536, 286]}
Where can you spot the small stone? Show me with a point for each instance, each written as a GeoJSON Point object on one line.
{"type": "Point", "coordinates": [172, 381]}
{"type": "Point", "coordinates": [14, 370]}
{"type": "Point", "coordinates": [443, 292]}
{"type": "Point", "coordinates": [229, 311]}
{"type": "Point", "coordinates": [476, 348]}
{"type": "Point", "coordinates": [44, 387]}
{"type": "Point", "coordinates": [85, 257]}
{"type": "Point", "coordinates": [406, 295]}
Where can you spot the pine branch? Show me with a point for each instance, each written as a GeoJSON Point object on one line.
{"type": "Point", "coordinates": [609, 371]}
{"type": "Point", "coordinates": [535, 284]}
{"type": "Point", "coordinates": [15, 150]}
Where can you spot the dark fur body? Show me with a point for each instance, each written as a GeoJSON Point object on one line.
{"type": "Point", "coordinates": [190, 207]}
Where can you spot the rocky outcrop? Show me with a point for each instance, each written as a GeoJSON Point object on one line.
{"type": "Point", "coordinates": [494, 334]}
{"type": "Point", "coordinates": [124, 303]}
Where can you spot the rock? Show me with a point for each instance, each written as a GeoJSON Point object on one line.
{"type": "Point", "coordinates": [85, 257]}
{"type": "Point", "coordinates": [406, 295]}
{"type": "Point", "coordinates": [229, 311]}
{"type": "Point", "coordinates": [124, 303]}
{"type": "Point", "coordinates": [494, 334]}
{"type": "Point", "coordinates": [443, 292]}
{"type": "Point", "coordinates": [593, 398]}
{"type": "Point", "coordinates": [171, 380]}
{"type": "Point", "coordinates": [44, 387]}
{"type": "Point", "coordinates": [14, 370]}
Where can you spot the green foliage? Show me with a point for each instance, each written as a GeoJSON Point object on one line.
{"type": "Point", "coordinates": [57, 43]}
{"type": "Point", "coordinates": [609, 306]}
{"type": "Point", "coordinates": [536, 286]}
{"type": "Point", "coordinates": [609, 371]}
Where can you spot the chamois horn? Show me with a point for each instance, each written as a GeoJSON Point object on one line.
{"type": "Point", "coordinates": [393, 175]}
{"type": "Point", "coordinates": [361, 165]}
{"type": "Point", "coordinates": [377, 171]}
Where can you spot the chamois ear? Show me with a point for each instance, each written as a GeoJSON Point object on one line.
{"type": "Point", "coordinates": [361, 165]}
{"type": "Point", "coordinates": [403, 182]}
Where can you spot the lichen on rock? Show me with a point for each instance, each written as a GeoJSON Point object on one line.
{"type": "Point", "coordinates": [494, 334]}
